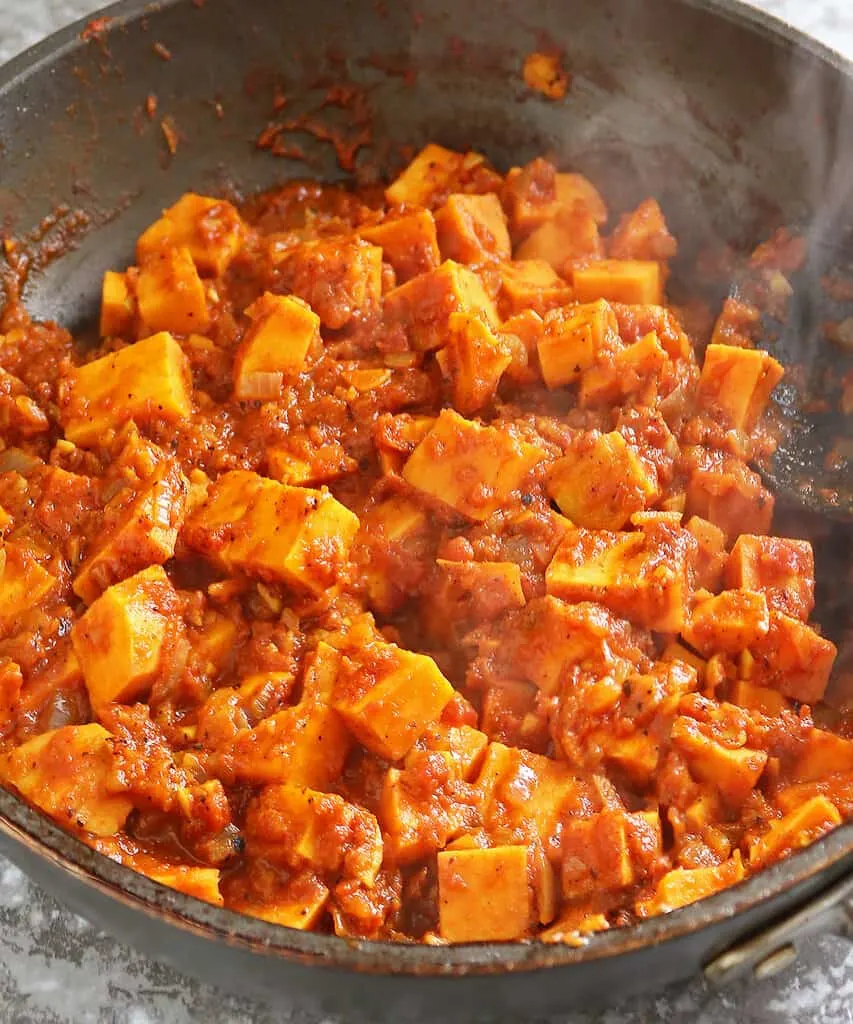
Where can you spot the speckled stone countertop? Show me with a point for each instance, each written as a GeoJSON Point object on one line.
{"type": "Point", "coordinates": [56, 969]}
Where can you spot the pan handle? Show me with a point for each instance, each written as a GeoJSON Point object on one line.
{"type": "Point", "coordinates": [775, 948]}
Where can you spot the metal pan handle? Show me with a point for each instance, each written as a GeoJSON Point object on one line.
{"type": "Point", "coordinates": [775, 948]}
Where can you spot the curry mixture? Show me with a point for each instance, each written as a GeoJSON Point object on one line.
{"type": "Point", "coordinates": [394, 567]}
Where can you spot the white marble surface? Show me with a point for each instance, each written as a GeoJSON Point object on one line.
{"type": "Point", "coordinates": [56, 969]}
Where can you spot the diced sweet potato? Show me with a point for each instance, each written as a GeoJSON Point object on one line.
{"type": "Point", "coordinates": [570, 236]}
{"type": "Point", "coordinates": [316, 465]}
{"type": "Point", "coordinates": [732, 497]}
{"type": "Point", "coordinates": [145, 534]}
{"type": "Point", "coordinates": [274, 347]}
{"type": "Point", "coordinates": [465, 745]}
{"type": "Point", "coordinates": [681, 886]}
{"type": "Point", "coordinates": [734, 771]}
{"type": "Point", "coordinates": [596, 856]}
{"type": "Point", "coordinates": [535, 194]}
{"type": "Point", "coordinates": [482, 590]}
{"type": "Point", "coordinates": [473, 469]}
{"type": "Point", "coordinates": [388, 531]}
{"type": "Point", "coordinates": [572, 340]}
{"type": "Point", "coordinates": [634, 282]}
{"type": "Point", "coordinates": [275, 532]}
{"type": "Point", "coordinates": [758, 698]}
{"type": "Point", "coordinates": [303, 828]}
{"type": "Point", "coordinates": [121, 640]}
{"type": "Point", "coordinates": [825, 755]}
{"type": "Point", "coordinates": [780, 567]}
{"type": "Point", "coordinates": [300, 903]}
{"type": "Point", "coordinates": [398, 436]}
{"type": "Point", "coordinates": [531, 284]}
{"type": "Point", "coordinates": [795, 830]}
{"type": "Point", "coordinates": [793, 659]}
{"type": "Point", "coordinates": [203, 883]}
{"type": "Point", "coordinates": [170, 294]}
{"type": "Point", "coordinates": [472, 229]}
{"type": "Point", "coordinates": [634, 372]}
{"type": "Point", "coordinates": [729, 622]}
{"type": "Point", "coordinates": [636, 755]}
{"type": "Point", "coordinates": [422, 307]}
{"type": "Point", "coordinates": [304, 745]}
{"type": "Point", "coordinates": [23, 581]}
{"type": "Point", "coordinates": [526, 793]}
{"type": "Point", "coordinates": [475, 360]}
{"type": "Point", "coordinates": [68, 774]}
{"type": "Point", "coordinates": [409, 243]}
{"type": "Point", "coordinates": [210, 228]}
{"type": "Point", "coordinates": [340, 279]}
{"type": "Point", "coordinates": [643, 575]}
{"type": "Point", "coordinates": [736, 383]}
{"type": "Point", "coordinates": [710, 555]}
{"type": "Point", "coordinates": [484, 895]}
{"type": "Point", "coordinates": [388, 696]}
{"type": "Point", "coordinates": [118, 305]}
{"type": "Point", "coordinates": [321, 671]}
{"type": "Point", "coordinates": [431, 171]}
{"type": "Point", "coordinates": [601, 481]}
{"type": "Point", "coordinates": [144, 382]}
{"type": "Point", "coordinates": [642, 234]}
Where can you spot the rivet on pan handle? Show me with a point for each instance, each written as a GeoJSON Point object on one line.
{"type": "Point", "coordinates": [775, 948]}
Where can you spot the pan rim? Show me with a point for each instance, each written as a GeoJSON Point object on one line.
{"type": "Point", "coordinates": [28, 829]}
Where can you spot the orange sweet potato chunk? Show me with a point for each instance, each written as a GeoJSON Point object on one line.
{"type": "Point", "coordinates": [484, 895]}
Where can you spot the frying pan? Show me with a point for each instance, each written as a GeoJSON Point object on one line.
{"type": "Point", "coordinates": [734, 122]}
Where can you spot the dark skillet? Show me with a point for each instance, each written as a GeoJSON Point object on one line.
{"type": "Point", "coordinates": [733, 121]}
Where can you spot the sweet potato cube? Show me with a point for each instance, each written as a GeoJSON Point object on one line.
{"type": "Point", "coordinates": [532, 284]}
{"type": "Point", "coordinates": [734, 771]}
{"type": "Point", "coordinates": [641, 575]}
{"type": "Point", "coordinates": [170, 294]}
{"type": "Point", "coordinates": [475, 360]}
{"type": "Point", "coordinates": [145, 535]}
{"type": "Point", "coordinates": [321, 671]}
{"type": "Point", "coordinates": [642, 234]}
{"type": "Point", "coordinates": [319, 465]}
{"type": "Point", "coordinates": [737, 382]}
{"type": "Point", "coordinates": [601, 481]}
{"type": "Point", "coordinates": [409, 243]}
{"type": "Point", "coordinates": [389, 696]}
{"type": "Point", "coordinates": [569, 236]}
{"type": "Point", "coordinates": [143, 382]}
{"type": "Point", "coordinates": [210, 228]}
{"type": "Point", "coordinates": [633, 372]}
{"type": "Point", "coordinates": [759, 698]}
{"type": "Point", "coordinates": [472, 229]}
{"type": "Point", "coordinates": [572, 340]}
{"type": "Point", "coordinates": [574, 189]}
{"type": "Point", "coordinates": [484, 895]}
{"type": "Point", "coordinates": [301, 905]}
{"type": "Point", "coordinates": [23, 581]}
{"type": "Point", "coordinates": [340, 279]}
{"type": "Point", "coordinates": [732, 497]}
{"type": "Point", "coordinates": [464, 744]}
{"type": "Point", "coordinates": [203, 883]}
{"type": "Point", "coordinates": [274, 347]}
{"type": "Point", "coordinates": [398, 438]}
{"type": "Point", "coordinates": [780, 567]}
{"type": "Point", "coordinates": [536, 193]}
{"type": "Point", "coordinates": [636, 755]}
{"type": "Point", "coordinates": [118, 305]}
{"type": "Point", "coordinates": [390, 530]}
{"type": "Point", "coordinates": [793, 659]}
{"type": "Point", "coordinates": [304, 745]}
{"type": "Point", "coordinates": [121, 639]}
{"type": "Point", "coordinates": [482, 590]}
{"type": "Point", "coordinates": [431, 171]}
{"type": "Point", "coordinates": [681, 886]}
{"type": "Point", "coordinates": [473, 469]}
{"type": "Point", "coordinates": [634, 282]}
{"type": "Point", "coordinates": [304, 828]}
{"type": "Point", "coordinates": [729, 622]}
{"type": "Point", "coordinates": [422, 306]}
{"type": "Point", "coordinates": [272, 531]}
{"type": "Point", "coordinates": [67, 773]}
{"type": "Point", "coordinates": [795, 830]}
{"type": "Point", "coordinates": [596, 856]}
{"type": "Point", "coordinates": [710, 555]}
{"type": "Point", "coordinates": [825, 754]}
